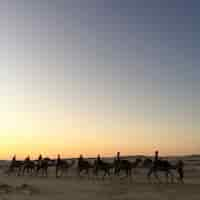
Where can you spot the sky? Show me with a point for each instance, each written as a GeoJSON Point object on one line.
{"type": "Point", "coordinates": [99, 77]}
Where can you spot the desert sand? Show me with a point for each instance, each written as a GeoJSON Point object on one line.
{"type": "Point", "coordinates": [72, 187]}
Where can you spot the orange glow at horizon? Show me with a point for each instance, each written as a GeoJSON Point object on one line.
{"type": "Point", "coordinates": [77, 134]}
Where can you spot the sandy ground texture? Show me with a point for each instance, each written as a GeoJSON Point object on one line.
{"type": "Point", "coordinates": [72, 187]}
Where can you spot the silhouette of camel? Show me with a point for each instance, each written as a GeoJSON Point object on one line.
{"type": "Point", "coordinates": [62, 166]}
{"type": "Point", "coordinates": [43, 165]}
{"type": "Point", "coordinates": [84, 165]}
{"type": "Point", "coordinates": [126, 166]}
{"type": "Point", "coordinates": [15, 166]}
{"type": "Point", "coordinates": [28, 167]}
{"type": "Point", "coordinates": [166, 167]}
{"type": "Point", "coordinates": [147, 163]}
{"type": "Point", "coordinates": [103, 166]}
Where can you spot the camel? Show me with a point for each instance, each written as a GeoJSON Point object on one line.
{"type": "Point", "coordinates": [28, 167]}
{"type": "Point", "coordinates": [166, 167]}
{"type": "Point", "coordinates": [126, 166]}
{"type": "Point", "coordinates": [15, 166]}
{"type": "Point", "coordinates": [63, 167]}
{"type": "Point", "coordinates": [84, 165]}
{"type": "Point", "coordinates": [43, 166]}
{"type": "Point", "coordinates": [103, 166]}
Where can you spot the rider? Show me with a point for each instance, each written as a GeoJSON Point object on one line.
{"type": "Point", "coordinates": [80, 159]}
{"type": "Point", "coordinates": [99, 161]}
{"type": "Point", "coordinates": [14, 158]}
{"type": "Point", "coordinates": [27, 159]}
{"type": "Point", "coordinates": [40, 159]}
{"type": "Point", "coordinates": [118, 157]}
{"type": "Point", "coordinates": [58, 159]}
{"type": "Point", "coordinates": [156, 158]}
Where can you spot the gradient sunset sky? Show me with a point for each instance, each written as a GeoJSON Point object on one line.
{"type": "Point", "coordinates": [99, 76]}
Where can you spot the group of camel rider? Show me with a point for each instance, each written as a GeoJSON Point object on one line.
{"type": "Point", "coordinates": [99, 160]}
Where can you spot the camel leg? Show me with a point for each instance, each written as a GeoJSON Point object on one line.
{"type": "Point", "coordinates": [19, 171]}
{"type": "Point", "coordinates": [28, 170]}
{"type": "Point", "coordinates": [167, 176]}
{"type": "Point", "coordinates": [23, 171]}
{"type": "Point", "coordinates": [79, 172]}
{"type": "Point", "coordinates": [109, 174]}
{"type": "Point", "coordinates": [66, 171]}
{"type": "Point", "coordinates": [46, 172]}
{"type": "Point", "coordinates": [62, 171]}
{"type": "Point", "coordinates": [88, 174]}
{"type": "Point", "coordinates": [181, 176]}
{"type": "Point", "coordinates": [156, 176]}
{"type": "Point", "coordinates": [37, 171]}
{"type": "Point", "coordinates": [104, 175]}
{"type": "Point", "coordinates": [96, 172]}
{"type": "Point", "coordinates": [127, 173]}
{"type": "Point", "coordinates": [131, 174]}
{"type": "Point", "coordinates": [172, 176]}
{"type": "Point", "coordinates": [57, 169]}
{"type": "Point", "coordinates": [117, 171]}
{"type": "Point", "coordinates": [149, 174]}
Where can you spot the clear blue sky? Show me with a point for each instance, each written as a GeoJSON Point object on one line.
{"type": "Point", "coordinates": [113, 75]}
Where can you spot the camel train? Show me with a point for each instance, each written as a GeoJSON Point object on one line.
{"type": "Point", "coordinates": [119, 166]}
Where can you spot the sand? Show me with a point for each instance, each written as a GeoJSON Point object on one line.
{"type": "Point", "coordinates": [71, 187]}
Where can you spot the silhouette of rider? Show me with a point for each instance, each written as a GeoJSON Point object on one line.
{"type": "Point", "coordinates": [118, 157]}
{"type": "Point", "coordinates": [40, 159]}
{"type": "Point", "coordinates": [27, 159]}
{"type": "Point", "coordinates": [99, 161]}
{"type": "Point", "coordinates": [80, 159]}
{"type": "Point", "coordinates": [156, 158]}
{"type": "Point", "coordinates": [14, 158]}
{"type": "Point", "coordinates": [58, 159]}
